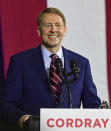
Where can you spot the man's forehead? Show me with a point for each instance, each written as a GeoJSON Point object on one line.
{"type": "Point", "coordinates": [50, 14]}
{"type": "Point", "coordinates": [51, 17]}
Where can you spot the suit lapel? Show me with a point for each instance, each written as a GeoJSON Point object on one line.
{"type": "Point", "coordinates": [39, 63]}
{"type": "Point", "coordinates": [66, 61]}
{"type": "Point", "coordinates": [40, 69]}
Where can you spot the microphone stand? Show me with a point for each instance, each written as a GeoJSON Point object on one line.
{"type": "Point", "coordinates": [64, 77]}
{"type": "Point", "coordinates": [70, 96]}
{"type": "Point", "coordinates": [67, 89]}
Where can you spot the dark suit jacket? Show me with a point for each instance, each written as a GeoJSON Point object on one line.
{"type": "Point", "coordinates": [27, 86]}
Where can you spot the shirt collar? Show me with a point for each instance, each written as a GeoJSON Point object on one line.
{"type": "Point", "coordinates": [47, 53]}
{"type": "Point", "coordinates": [46, 56]}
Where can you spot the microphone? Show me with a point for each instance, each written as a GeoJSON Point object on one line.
{"type": "Point", "coordinates": [59, 68]}
{"type": "Point", "coordinates": [74, 68]}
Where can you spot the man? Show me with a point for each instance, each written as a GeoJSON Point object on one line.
{"type": "Point", "coordinates": [29, 86]}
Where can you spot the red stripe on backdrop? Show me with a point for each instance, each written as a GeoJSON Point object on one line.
{"type": "Point", "coordinates": [18, 26]}
{"type": "Point", "coordinates": [108, 38]}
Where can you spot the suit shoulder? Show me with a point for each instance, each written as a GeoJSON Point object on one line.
{"type": "Point", "coordinates": [25, 54]}
{"type": "Point", "coordinates": [75, 55]}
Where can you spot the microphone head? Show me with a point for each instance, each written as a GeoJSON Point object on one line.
{"type": "Point", "coordinates": [74, 68]}
{"type": "Point", "coordinates": [59, 68]}
{"type": "Point", "coordinates": [58, 63]}
{"type": "Point", "coordinates": [73, 63]}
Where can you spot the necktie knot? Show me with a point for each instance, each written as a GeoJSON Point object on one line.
{"type": "Point", "coordinates": [53, 56]}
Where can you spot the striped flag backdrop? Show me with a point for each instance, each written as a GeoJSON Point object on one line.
{"type": "Point", "coordinates": [88, 33]}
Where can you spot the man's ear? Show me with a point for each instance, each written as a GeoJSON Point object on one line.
{"type": "Point", "coordinates": [39, 32]}
{"type": "Point", "coordinates": [65, 29]}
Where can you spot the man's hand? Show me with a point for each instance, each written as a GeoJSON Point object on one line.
{"type": "Point", "coordinates": [22, 120]}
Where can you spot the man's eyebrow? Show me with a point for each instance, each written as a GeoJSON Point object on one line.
{"type": "Point", "coordinates": [47, 23]}
{"type": "Point", "coordinates": [53, 23]}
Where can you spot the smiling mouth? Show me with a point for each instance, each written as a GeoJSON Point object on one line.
{"type": "Point", "coordinates": [53, 36]}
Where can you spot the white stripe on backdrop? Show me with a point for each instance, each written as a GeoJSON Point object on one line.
{"type": "Point", "coordinates": [86, 35]}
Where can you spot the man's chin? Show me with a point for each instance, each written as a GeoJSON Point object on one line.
{"type": "Point", "coordinates": [48, 45]}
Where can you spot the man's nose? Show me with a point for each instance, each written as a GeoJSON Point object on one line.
{"type": "Point", "coordinates": [53, 28]}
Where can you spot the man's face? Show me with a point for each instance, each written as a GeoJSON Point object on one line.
{"type": "Point", "coordinates": [52, 30]}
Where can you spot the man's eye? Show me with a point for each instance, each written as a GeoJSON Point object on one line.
{"type": "Point", "coordinates": [48, 25]}
{"type": "Point", "coordinates": [58, 25]}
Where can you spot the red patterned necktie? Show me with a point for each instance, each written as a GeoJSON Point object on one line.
{"type": "Point", "coordinates": [55, 81]}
